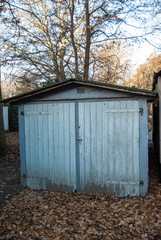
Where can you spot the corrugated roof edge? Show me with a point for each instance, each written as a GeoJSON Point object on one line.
{"type": "Point", "coordinates": [69, 81]}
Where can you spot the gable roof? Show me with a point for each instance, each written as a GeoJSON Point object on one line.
{"type": "Point", "coordinates": [55, 86]}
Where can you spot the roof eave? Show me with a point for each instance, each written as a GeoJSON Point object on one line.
{"type": "Point", "coordinates": [25, 96]}
{"type": "Point", "coordinates": [33, 93]}
{"type": "Point", "coordinates": [121, 89]}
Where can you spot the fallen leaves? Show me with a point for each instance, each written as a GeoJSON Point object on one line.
{"type": "Point", "coordinates": [60, 216]}
{"type": "Point", "coordinates": [12, 149]}
{"type": "Point", "coordinates": [49, 215]}
{"type": "Point", "coordinates": [10, 169]}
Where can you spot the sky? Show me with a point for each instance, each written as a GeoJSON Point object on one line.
{"type": "Point", "coordinates": [139, 55]}
{"type": "Point", "coordinates": [141, 51]}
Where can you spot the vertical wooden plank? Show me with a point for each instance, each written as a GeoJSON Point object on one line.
{"type": "Point", "coordinates": [66, 145]}
{"type": "Point", "coordinates": [136, 143]}
{"type": "Point", "coordinates": [27, 139]}
{"type": "Point", "coordinates": [82, 145]}
{"type": "Point", "coordinates": [61, 145]}
{"type": "Point", "coordinates": [40, 140]}
{"type": "Point", "coordinates": [106, 143]}
{"type": "Point", "coordinates": [56, 143]}
{"type": "Point", "coordinates": [45, 140]}
{"type": "Point", "coordinates": [77, 143]}
{"type": "Point", "coordinates": [99, 143]}
{"type": "Point", "coordinates": [129, 160]}
{"type": "Point", "coordinates": [54, 137]}
{"type": "Point", "coordinates": [116, 130]}
{"type": "Point", "coordinates": [87, 138]}
{"type": "Point", "coordinates": [22, 144]}
{"type": "Point", "coordinates": [104, 168]}
{"type": "Point", "coordinates": [123, 147]}
{"type": "Point", "coordinates": [93, 140]}
{"type": "Point", "coordinates": [111, 145]}
{"type": "Point", "coordinates": [118, 141]}
{"type": "Point", "coordinates": [143, 165]}
{"type": "Point", "coordinates": [136, 148]}
{"type": "Point", "coordinates": [51, 142]}
{"type": "Point", "coordinates": [32, 140]}
{"type": "Point", "coordinates": [35, 141]}
{"type": "Point", "coordinates": [72, 142]}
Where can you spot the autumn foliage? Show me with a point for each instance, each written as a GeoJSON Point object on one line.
{"type": "Point", "coordinates": [37, 214]}
{"type": "Point", "coordinates": [143, 76]}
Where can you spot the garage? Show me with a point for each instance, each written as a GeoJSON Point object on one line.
{"type": "Point", "coordinates": [78, 136]}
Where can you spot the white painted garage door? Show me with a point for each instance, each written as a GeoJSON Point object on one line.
{"type": "Point", "coordinates": [109, 147]}
{"type": "Point", "coordinates": [50, 146]}
{"type": "Point", "coordinates": [83, 146]}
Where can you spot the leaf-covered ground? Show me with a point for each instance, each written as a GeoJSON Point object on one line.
{"type": "Point", "coordinates": [10, 169]}
{"type": "Point", "coordinates": [45, 215]}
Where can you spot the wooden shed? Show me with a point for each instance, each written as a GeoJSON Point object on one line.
{"type": "Point", "coordinates": [84, 136]}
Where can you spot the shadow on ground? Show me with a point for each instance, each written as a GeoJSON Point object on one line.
{"type": "Point", "coordinates": [10, 169]}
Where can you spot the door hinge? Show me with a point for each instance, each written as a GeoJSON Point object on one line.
{"type": "Point", "coordinates": [22, 113]}
{"type": "Point", "coordinates": [141, 111]}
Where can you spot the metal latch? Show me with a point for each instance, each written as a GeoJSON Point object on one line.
{"type": "Point", "coordinates": [141, 111]}
{"type": "Point", "coordinates": [22, 113]}
{"type": "Point", "coordinates": [141, 183]}
{"type": "Point", "coordinates": [79, 139]}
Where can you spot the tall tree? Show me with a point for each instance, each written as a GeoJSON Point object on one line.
{"type": "Point", "coordinates": [143, 76]}
{"type": "Point", "coordinates": [7, 88]}
{"type": "Point", "coordinates": [2, 132]}
{"type": "Point", "coordinates": [111, 63]}
{"type": "Point", "coordinates": [55, 39]}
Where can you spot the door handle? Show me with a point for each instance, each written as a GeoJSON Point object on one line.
{"type": "Point", "coordinates": [79, 139]}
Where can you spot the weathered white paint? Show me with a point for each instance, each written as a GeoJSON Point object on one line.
{"type": "Point", "coordinates": [109, 147]}
{"type": "Point", "coordinates": [88, 146]}
{"type": "Point", "coordinates": [5, 118]}
{"type": "Point", "coordinates": [50, 146]}
{"type": "Point", "coordinates": [143, 139]}
{"type": "Point", "coordinates": [89, 92]}
{"type": "Point", "coordinates": [22, 144]}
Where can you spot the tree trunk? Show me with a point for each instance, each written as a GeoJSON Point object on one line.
{"type": "Point", "coordinates": [73, 42]}
{"type": "Point", "coordinates": [2, 132]}
{"type": "Point", "coordinates": [88, 42]}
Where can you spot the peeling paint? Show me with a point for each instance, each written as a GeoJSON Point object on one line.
{"type": "Point", "coordinates": [106, 160]}
{"type": "Point", "coordinates": [119, 190]}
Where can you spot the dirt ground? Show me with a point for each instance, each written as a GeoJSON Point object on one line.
{"type": "Point", "coordinates": [30, 214]}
